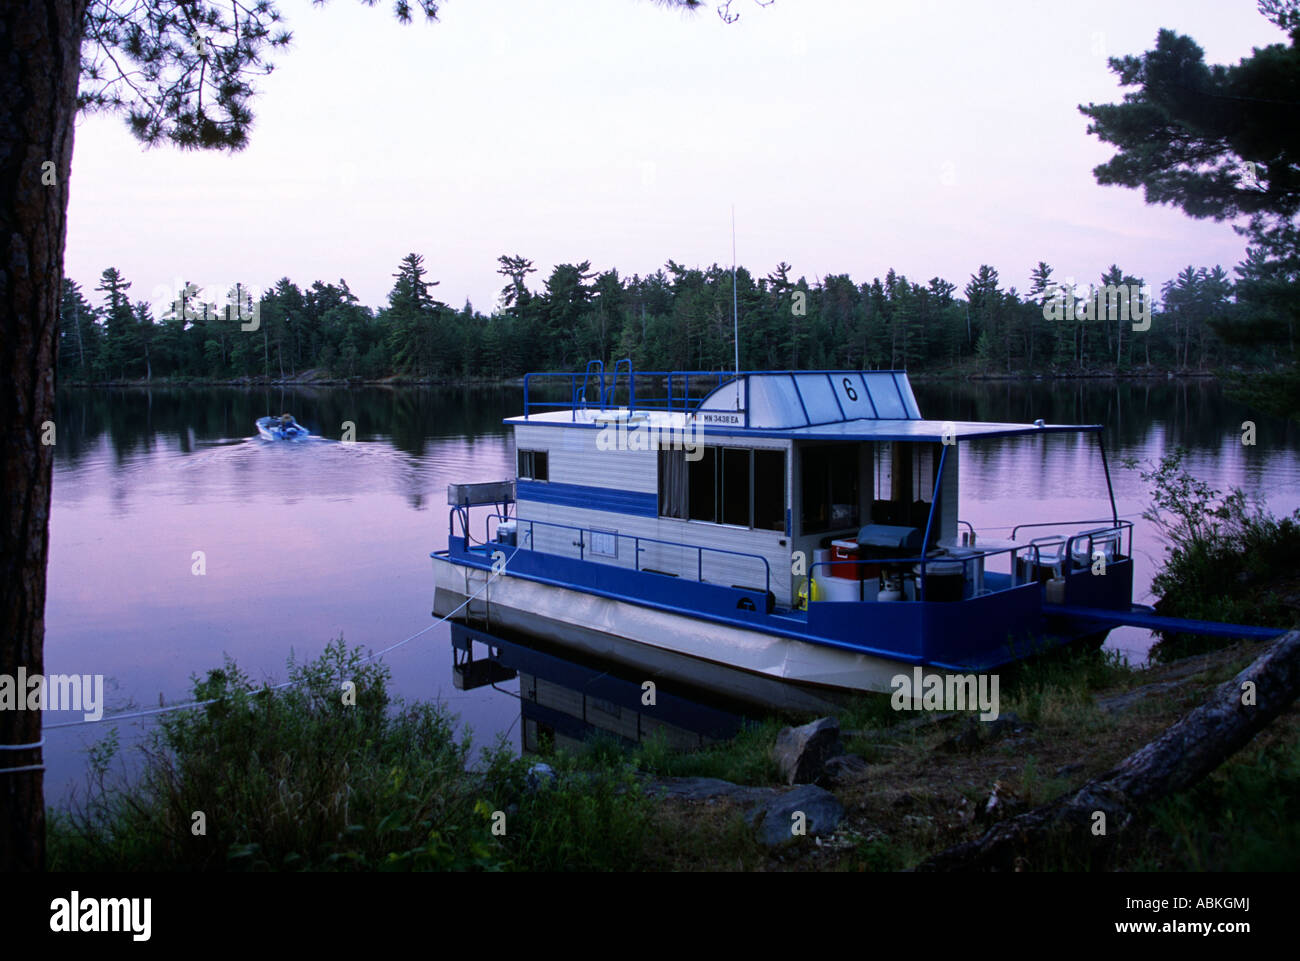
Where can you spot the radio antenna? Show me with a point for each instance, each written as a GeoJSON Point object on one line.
{"type": "Point", "coordinates": [735, 312]}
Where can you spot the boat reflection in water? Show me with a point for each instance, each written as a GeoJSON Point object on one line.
{"type": "Point", "coordinates": [566, 697]}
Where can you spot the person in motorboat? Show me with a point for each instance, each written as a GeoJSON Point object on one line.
{"type": "Point", "coordinates": [288, 425]}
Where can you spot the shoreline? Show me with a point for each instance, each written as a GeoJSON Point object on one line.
{"type": "Point", "coordinates": [518, 382]}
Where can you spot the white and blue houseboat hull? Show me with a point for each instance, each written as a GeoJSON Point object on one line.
{"type": "Point", "coordinates": [689, 537]}
{"type": "Point", "coordinates": [747, 665]}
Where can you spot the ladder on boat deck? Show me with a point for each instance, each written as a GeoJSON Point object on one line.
{"type": "Point", "coordinates": [461, 497]}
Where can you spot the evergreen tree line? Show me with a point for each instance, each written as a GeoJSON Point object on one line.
{"type": "Point", "coordinates": [676, 318]}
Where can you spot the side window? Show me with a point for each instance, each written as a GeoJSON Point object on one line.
{"type": "Point", "coordinates": [673, 483]}
{"type": "Point", "coordinates": [727, 485]}
{"type": "Point", "coordinates": [702, 496]}
{"type": "Point", "coordinates": [769, 490]}
{"type": "Point", "coordinates": [533, 465]}
{"type": "Point", "coordinates": [733, 486]}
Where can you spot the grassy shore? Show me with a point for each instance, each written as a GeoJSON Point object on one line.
{"type": "Point", "coordinates": [297, 779]}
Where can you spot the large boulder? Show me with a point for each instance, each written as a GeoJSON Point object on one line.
{"type": "Point", "coordinates": [775, 819]}
{"type": "Point", "coordinates": [801, 752]}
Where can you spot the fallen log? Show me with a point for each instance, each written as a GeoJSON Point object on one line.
{"type": "Point", "coordinates": [1089, 821]}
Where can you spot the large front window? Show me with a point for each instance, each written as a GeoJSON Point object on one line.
{"type": "Point", "coordinates": [829, 478]}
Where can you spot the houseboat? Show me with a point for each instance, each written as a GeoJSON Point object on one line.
{"type": "Point", "coordinates": [781, 537]}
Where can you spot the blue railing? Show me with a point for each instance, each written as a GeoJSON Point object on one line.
{"type": "Point", "coordinates": [977, 556]}
{"type": "Point", "coordinates": [679, 385]}
{"type": "Point", "coordinates": [1110, 531]}
{"type": "Point", "coordinates": [973, 554]}
{"type": "Point", "coordinates": [579, 388]}
{"type": "Point", "coordinates": [637, 541]}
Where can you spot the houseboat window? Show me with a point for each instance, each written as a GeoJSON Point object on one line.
{"type": "Point", "coordinates": [733, 486]}
{"type": "Point", "coordinates": [925, 462]}
{"type": "Point", "coordinates": [672, 483]}
{"type": "Point", "coordinates": [904, 483]}
{"type": "Point", "coordinates": [883, 461]}
{"type": "Point", "coordinates": [769, 490]}
{"type": "Point", "coordinates": [702, 495]}
{"type": "Point", "coordinates": [727, 485]}
{"type": "Point", "coordinates": [830, 487]}
{"type": "Point", "coordinates": [533, 465]}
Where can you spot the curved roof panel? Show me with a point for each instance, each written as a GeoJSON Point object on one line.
{"type": "Point", "coordinates": [793, 399]}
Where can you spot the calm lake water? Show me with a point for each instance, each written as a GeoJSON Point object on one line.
{"type": "Point", "coordinates": [308, 541]}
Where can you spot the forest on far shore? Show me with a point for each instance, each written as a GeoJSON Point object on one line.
{"type": "Point", "coordinates": [677, 318]}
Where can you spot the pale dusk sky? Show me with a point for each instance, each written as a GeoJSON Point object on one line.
{"type": "Point", "coordinates": [928, 136]}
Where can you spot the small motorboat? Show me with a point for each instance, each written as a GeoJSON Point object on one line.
{"type": "Point", "coordinates": [283, 427]}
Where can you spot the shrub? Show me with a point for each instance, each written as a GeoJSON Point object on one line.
{"type": "Point", "coordinates": [1222, 552]}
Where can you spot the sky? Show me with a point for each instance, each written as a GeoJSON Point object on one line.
{"type": "Point", "coordinates": [930, 136]}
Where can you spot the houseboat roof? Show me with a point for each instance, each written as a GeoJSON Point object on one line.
{"type": "Point", "coordinates": [842, 405]}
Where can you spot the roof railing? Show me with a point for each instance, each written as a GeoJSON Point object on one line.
{"type": "Point", "coordinates": [686, 389]}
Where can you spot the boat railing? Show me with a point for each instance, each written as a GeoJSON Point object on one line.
{"type": "Point", "coordinates": [611, 394]}
{"type": "Point", "coordinates": [1035, 552]}
{"type": "Point", "coordinates": [1107, 540]}
{"type": "Point", "coordinates": [1119, 530]}
{"type": "Point", "coordinates": [967, 557]}
{"type": "Point", "coordinates": [584, 541]}
{"type": "Point", "coordinates": [686, 389]}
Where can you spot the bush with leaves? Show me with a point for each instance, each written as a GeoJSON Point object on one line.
{"type": "Point", "coordinates": [326, 772]}
{"type": "Point", "coordinates": [1224, 554]}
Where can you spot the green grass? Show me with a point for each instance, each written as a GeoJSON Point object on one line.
{"type": "Point", "coordinates": [1244, 817]}
{"type": "Point", "coordinates": [746, 759]}
{"type": "Point", "coordinates": [1060, 687]}
{"type": "Point", "coordinates": [296, 779]}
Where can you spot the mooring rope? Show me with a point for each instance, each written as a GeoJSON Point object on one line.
{"type": "Point", "coordinates": [127, 715]}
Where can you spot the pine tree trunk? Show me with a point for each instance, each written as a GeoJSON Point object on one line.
{"type": "Point", "coordinates": [40, 44]}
